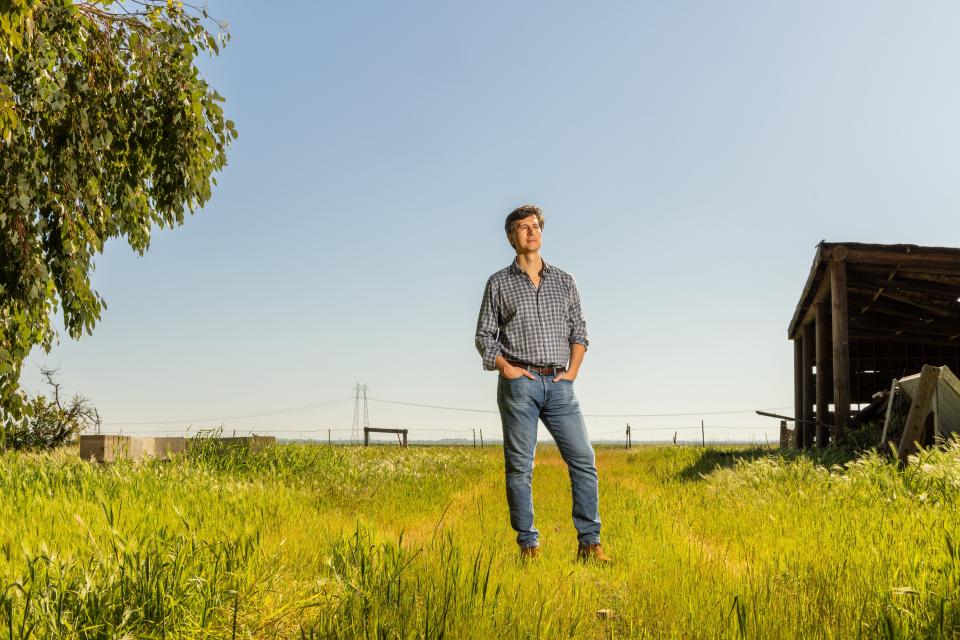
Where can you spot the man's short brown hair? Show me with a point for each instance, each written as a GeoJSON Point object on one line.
{"type": "Point", "coordinates": [519, 214]}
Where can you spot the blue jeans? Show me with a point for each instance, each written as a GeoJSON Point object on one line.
{"type": "Point", "coordinates": [522, 401]}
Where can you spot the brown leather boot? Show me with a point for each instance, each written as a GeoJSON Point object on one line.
{"type": "Point", "coordinates": [594, 552]}
{"type": "Point", "coordinates": [529, 553]}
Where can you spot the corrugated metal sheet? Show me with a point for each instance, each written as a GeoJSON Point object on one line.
{"type": "Point", "coordinates": [946, 399]}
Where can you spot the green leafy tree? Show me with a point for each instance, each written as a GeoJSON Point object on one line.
{"type": "Point", "coordinates": [107, 130]}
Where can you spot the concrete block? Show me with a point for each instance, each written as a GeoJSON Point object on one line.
{"type": "Point", "coordinates": [140, 448]}
{"type": "Point", "coordinates": [110, 448]}
{"type": "Point", "coordinates": [163, 448]}
{"type": "Point", "coordinates": [102, 448]}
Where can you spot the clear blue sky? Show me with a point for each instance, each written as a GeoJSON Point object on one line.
{"type": "Point", "coordinates": [688, 157]}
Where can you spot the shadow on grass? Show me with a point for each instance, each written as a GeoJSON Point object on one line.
{"type": "Point", "coordinates": [712, 459]}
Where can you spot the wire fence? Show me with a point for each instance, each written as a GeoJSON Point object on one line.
{"type": "Point", "coordinates": [700, 432]}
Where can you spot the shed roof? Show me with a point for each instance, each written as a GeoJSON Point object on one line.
{"type": "Point", "coordinates": [901, 292]}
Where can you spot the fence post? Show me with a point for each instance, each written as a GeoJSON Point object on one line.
{"type": "Point", "coordinates": [703, 435]}
{"type": "Point", "coordinates": [474, 438]}
{"type": "Point", "coordinates": [481, 438]}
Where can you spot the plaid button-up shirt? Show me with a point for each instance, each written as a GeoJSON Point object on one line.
{"type": "Point", "coordinates": [527, 324]}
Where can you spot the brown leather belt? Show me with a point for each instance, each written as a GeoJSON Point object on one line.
{"type": "Point", "coordinates": [544, 371]}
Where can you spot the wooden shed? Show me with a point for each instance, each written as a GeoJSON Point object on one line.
{"type": "Point", "coordinates": [869, 313]}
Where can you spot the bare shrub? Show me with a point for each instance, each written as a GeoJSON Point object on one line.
{"type": "Point", "coordinates": [51, 421]}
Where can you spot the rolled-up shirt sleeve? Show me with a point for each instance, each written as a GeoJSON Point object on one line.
{"type": "Point", "coordinates": [578, 326]}
{"type": "Point", "coordinates": [488, 328]}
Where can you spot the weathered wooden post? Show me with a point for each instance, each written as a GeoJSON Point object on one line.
{"type": "Point", "coordinates": [798, 382]}
{"type": "Point", "coordinates": [841, 339]}
{"type": "Point", "coordinates": [805, 429]}
{"type": "Point", "coordinates": [822, 330]}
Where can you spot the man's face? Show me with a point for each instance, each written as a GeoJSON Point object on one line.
{"type": "Point", "coordinates": [526, 236]}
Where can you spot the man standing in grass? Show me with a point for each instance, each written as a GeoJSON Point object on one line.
{"type": "Point", "coordinates": [532, 331]}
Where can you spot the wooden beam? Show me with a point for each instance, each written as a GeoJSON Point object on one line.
{"type": "Point", "coordinates": [929, 308]}
{"type": "Point", "coordinates": [822, 255]}
{"type": "Point", "coordinates": [919, 409]}
{"type": "Point", "coordinates": [911, 278]}
{"type": "Point", "coordinates": [886, 418]}
{"type": "Point", "coordinates": [904, 257]}
{"type": "Point", "coordinates": [932, 271]}
{"type": "Point", "coordinates": [808, 387]}
{"type": "Point", "coordinates": [841, 346]}
{"type": "Point", "coordinates": [858, 298]}
{"type": "Point", "coordinates": [798, 385]}
{"type": "Point", "coordinates": [822, 295]}
{"type": "Point", "coordinates": [822, 330]}
{"type": "Point", "coordinates": [883, 335]}
{"type": "Point", "coordinates": [945, 290]}
{"type": "Point", "coordinates": [860, 306]}
{"type": "Point", "coordinates": [934, 328]}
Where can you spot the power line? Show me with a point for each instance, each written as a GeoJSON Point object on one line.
{"type": "Point", "coordinates": [586, 415]}
{"type": "Point", "coordinates": [272, 412]}
{"type": "Point", "coordinates": [676, 415]}
{"type": "Point", "coordinates": [690, 428]}
{"type": "Point", "coordinates": [432, 406]}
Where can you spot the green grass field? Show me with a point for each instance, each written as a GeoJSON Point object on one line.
{"type": "Point", "coordinates": [316, 542]}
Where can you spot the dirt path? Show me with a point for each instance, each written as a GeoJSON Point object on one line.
{"type": "Point", "coordinates": [711, 552]}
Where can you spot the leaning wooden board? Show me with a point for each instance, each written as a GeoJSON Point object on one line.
{"type": "Point", "coordinates": [946, 399]}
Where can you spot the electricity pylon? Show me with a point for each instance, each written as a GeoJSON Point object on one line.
{"type": "Point", "coordinates": [359, 389]}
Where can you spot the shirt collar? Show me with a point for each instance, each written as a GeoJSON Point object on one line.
{"type": "Point", "coordinates": [515, 268]}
